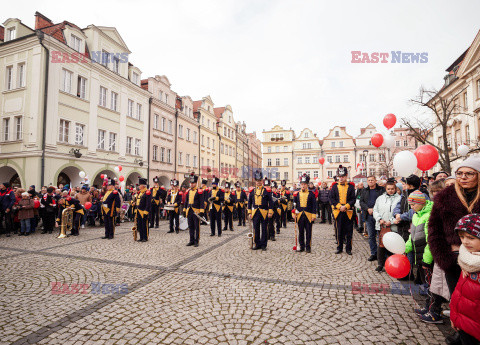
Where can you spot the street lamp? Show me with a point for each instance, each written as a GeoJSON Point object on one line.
{"type": "Point", "coordinates": [365, 153]}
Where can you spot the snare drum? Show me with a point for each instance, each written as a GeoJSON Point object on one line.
{"type": "Point", "coordinates": [169, 208]}
{"type": "Point", "coordinates": [183, 223]}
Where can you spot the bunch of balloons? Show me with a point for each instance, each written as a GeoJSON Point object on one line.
{"type": "Point", "coordinates": [397, 265]}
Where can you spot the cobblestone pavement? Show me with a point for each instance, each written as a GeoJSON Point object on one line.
{"type": "Point", "coordinates": [218, 293]}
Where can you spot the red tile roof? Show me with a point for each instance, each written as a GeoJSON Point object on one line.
{"type": "Point", "coordinates": [144, 84]}
{"type": "Point", "coordinates": [2, 33]}
{"type": "Point", "coordinates": [196, 105]}
{"type": "Point", "coordinates": [41, 21]}
{"type": "Point", "coordinates": [218, 112]}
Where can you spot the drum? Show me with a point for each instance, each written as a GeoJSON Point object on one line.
{"type": "Point", "coordinates": [169, 208]}
{"type": "Point", "coordinates": [183, 223]}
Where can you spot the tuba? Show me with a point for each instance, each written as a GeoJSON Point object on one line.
{"type": "Point", "coordinates": [67, 222]}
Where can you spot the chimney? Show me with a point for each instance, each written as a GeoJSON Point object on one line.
{"type": "Point", "coordinates": [41, 21]}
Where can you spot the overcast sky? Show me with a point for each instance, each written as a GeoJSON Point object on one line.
{"type": "Point", "coordinates": [280, 61]}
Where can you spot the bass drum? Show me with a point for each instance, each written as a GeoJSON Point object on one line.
{"type": "Point", "coordinates": [183, 223]}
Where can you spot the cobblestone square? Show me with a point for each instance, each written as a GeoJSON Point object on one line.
{"type": "Point", "coordinates": [218, 293]}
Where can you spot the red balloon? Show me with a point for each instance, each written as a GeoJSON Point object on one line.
{"type": "Point", "coordinates": [120, 168]}
{"type": "Point", "coordinates": [397, 266]}
{"type": "Point", "coordinates": [389, 120]}
{"type": "Point", "coordinates": [101, 176]}
{"type": "Point", "coordinates": [121, 178]}
{"type": "Point", "coordinates": [377, 140]}
{"type": "Point", "coordinates": [88, 205]}
{"type": "Point", "coordinates": [321, 160]}
{"type": "Point", "coordinates": [427, 157]}
{"type": "Point", "coordinates": [36, 203]}
{"type": "Point", "coordinates": [294, 247]}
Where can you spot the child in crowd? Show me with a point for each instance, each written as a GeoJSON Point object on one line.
{"type": "Point", "coordinates": [465, 302]}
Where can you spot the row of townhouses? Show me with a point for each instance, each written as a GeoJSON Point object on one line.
{"type": "Point", "coordinates": [72, 102]}
{"type": "Point", "coordinates": [286, 156]}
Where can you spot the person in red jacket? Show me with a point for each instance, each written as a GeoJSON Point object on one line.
{"type": "Point", "coordinates": [465, 300]}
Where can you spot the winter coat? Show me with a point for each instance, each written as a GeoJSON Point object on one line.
{"type": "Point", "coordinates": [366, 195]}
{"type": "Point", "coordinates": [7, 199]}
{"type": "Point", "coordinates": [417, 242]}
{"type": "Point", "coordinates": [438, 285]}
{"type": "Point", "coordinates": [383, 209]}
{"type": "Point", "coordinates": [323, 196]}
{"type": "Point", "coordinates": [25, 212]}
{"type": "Point", "coordinates": [446, 212]}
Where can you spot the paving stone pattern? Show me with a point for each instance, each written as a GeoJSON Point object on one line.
{"type": "Point", "coordinates": [218, 293]}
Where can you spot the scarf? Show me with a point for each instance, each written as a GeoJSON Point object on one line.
{"type": "Point", "coordinates": [469, 262]}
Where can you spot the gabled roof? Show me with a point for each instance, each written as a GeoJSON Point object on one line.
{"type": "Point", "coordinates": [471, 56]}
{"type": "Point", "coordinates": [218, 112]}
{"type": "Point", "coordinates": [196, 105]}
{"type": "Point", "coordinates": [113, 34]}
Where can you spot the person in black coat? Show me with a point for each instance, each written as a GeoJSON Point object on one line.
{"type": "Point", "coordinates": [194, 205]}
{"type": "Point", "coordinates": [50, 207]}
{"type": "Point", "coordinates": [342, 199]}
{"type": "Point", "coordinates": [324, 203]}
{"type": "Point", "coordinates": [174, 198]}
{"type": "Point", "coordinates": [306, 213]}
{"type": "Point", "coordinates": [110, 208]}
{"type": "Point", "coordinates": [143, 207]}
{"type": "Point", "coordinates": [260, 209]}
{"type": "Point", "coordinates": [240, 200]}
{"type": "Point", "coordinates": [7, 199]}
{"type": "Point", "coordinates": [215, 199]}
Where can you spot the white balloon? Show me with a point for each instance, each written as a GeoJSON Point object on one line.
{"type": "Point", "coordinates": [326, 164]}
{"type": "Point", "coordinates": [82, 174]}
{"type": "Point", "coordinates": [463, 150]}
{"type": "Point", "coordinates": [388, 140]}
{"type": "Point", "coordinates": [117, 169]}
{"type": "Point", "coordinates": [394, 242]}
{"type": "Point", "coordinates": [405, 163]}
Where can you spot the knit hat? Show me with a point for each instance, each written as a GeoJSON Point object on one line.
{"type": "Point", "coordinates": [417, 197]}
{"type": "Point", "coordinates": [471, 162]}
{"type": "Point", "coordinates": [470, 224]}
{"type": "Point", "coordinates": [399, 186]}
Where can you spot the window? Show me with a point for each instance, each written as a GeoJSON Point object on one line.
{"type": "Point", "coordinates": [156, 121]}
{"type": "Point", "coordinates": [81, 87]}
{"type": "Point", "coordinates": [180, 131]}
{"type": "Point", "coordinates": [208, 123]}
{"type": "Point", "coordinates": [113, 142]}
{"type": "Point", "coordinates": [135, 78]}
{"type": "Point", "coordinates": [139, 111]}
{"type": "Point", "coordinates": [340, 144]}
{"type": "Point", "coordinates": [337, 159]}
{"type": "Point", "coordinates": [221, 148]}
{"type": "Point", "coordinates": [372, 171]}
{"type": "Point", "coordinates": [79, 132]}
{"type": "Point", "coordinates": [166, 98]}
{"type": "Point", "coordinates": [116, 64]}
{"type": "Point", "coordinates": [269, 162]}
{"type": "Point", "coordinates": [337, 133]}
{"type": "Point", "coordinates": [269, 149]}
{"type": "Point", "coordinates": [162, 154]}
{"type": "Point", "coordinates": [194, 161]}
{"type": "Point", "coordinates": [397, 143]}
{"type": "Point", "coordinates": [9, 78]}
{"type": "Point", "coordinates": [285, 161]}
{"type": "Point", "coordinates": [67, 81]}
{"type": "Point", "coordinates": [187, 159]}
{"type": "Point", "coordinates": [102, 101]}
{"type": "Point", "coordinates": [21, 75]}
{"type": "Point", "coordinates": [345, 158]}
{"type": "Point", "coordinates": [194, 137]}
{"type": "Point", "coordinates": [395, 174]}
{"type": "Point", "coordinates": [405, 143]}
{"type": "Point", "coordinates": [285, 175]}
{"type": "Point", "coordinates": [137, 147]}
{"type": "Point", "coordinates": [329, 159]}
{"type": "Point", "coordinates": [307, 160]}
{"type": "Point", "coordinates": [155, 153]}
{"type": "Point", "coordinates": [63, 131]}
{"type": "Point", "coordinates": [164, 124]}
{"type": "Point", "coordinates": [465, 100]}
{"type": "Point", "coordinates": [285, 148]}
{"type": "Point", "coordinates": [299, 160]}
{"type": "Point", "coordinates": [11, 34]}
{"type": "Point", "coordinates": [180, 157]}
{"type": "Point", "coordinates": [381, 157]}
{"type": "Point", "coordinates": [333, 144]}
{"type": "Point", "coordinates": [277, 161]}
{"type": "Point", "coordinates": [208, 142]}
{"type": "Point", "coordinates": [202, 141]}
{"type": "Point", "coordinates": [188, 134]}
{"type": "Point", "coordinates": [6, 129]}
{"type": "Point", "coordinates": [299, 173]}
{"type": "Point", "coordinates": [18, 128]}
{"type": "Point", "coordinates": [213, 145]}
{"type": "Point", "coordinates": [160, 95]}
{"type": "Point", "coordinates": [128, 149]}
{"type": "Point", "coordinates": [306, 135]}
{"type": "Point", "coordinates": [169, 156]}
{"type": "Point", "coordinates": [130, 108]}
{"type": "Point", "coordinates": [467, 135]}
{"type": "Point", "coordinates": [75, 42]}
{"type": "Point", "coordinates": [105, 56]}
{"type": "Point", "coordinates": [361, 157]}
{"type": "Point", "coordinates": [330, 174]}
{"type": "Point", "coordinates": [170, 126]}
{"type": "Point", "coordinates": [278, 175]}
{"type": "Point", "coordinates": [101, 139]}
{"type": "Point", "coordinates": [114, 101]}
{"type": "Point", "coordinates": [315, 174]}
{"type": "Point", "coordinates": [372, 158]}
{"type": "Point", "coordinates": [277, 149]}
{"type": "Point", "coordinates": [224, 131]}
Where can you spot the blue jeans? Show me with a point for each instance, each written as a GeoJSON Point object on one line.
{"type": "Point", "coordinates": [25, 225]}
{"type": "Point", "coordinates": [372, 234]}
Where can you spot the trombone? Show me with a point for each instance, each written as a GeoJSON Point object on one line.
{"type": "Point", "coordinates": [67, 222]}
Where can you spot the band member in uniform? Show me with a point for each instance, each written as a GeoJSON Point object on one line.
{"type": "Point", "coordinates": [144, 203]}
{"type": "Point", "coordinates": [154, 214]}
{"type": "Point", "coordinates": [78, 213]}
{"type": "Point", "coordinates": [48, 200]}
{"type": "Point", "coordinates": [215, 200]}
{"type": "Point", "coordinates": [284, 199]}
{"type": "Point", "coordinates": [175, 199]}
{"type": "Point", "coordinates": [306, 212]}
{"type": "Point", "coordinates": [228, 207]}
{"type": "Point", "coordinates": [275, 220]}
{"type": "Point", "coordinates": [194, 204]}
{"type": "Point", "coordinates": [206, 191]}
{"type": "Point", "coordinates": [110, 207]}
{"type": "Point", "coordinates": [260, 205]}
{"type": "Point", "coordinates": [240, 199]}
{"type": "Point", "coordinates": [342, 199]}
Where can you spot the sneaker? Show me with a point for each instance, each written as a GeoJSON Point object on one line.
{"type": "Point", "coordinates": [379, 269]}
{"type": "Point", "coordinates": [431, 317]}
{"type": "Point", "coordinates": [83, 226]}
{"type": "Point", "coordinates": [446, 313]}
{"type": "Point", "coordinates": [421, 311]}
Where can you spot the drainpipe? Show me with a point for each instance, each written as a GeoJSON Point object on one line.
{"type": "Point", "coordinates": [175, 146]}
{"type": "Point", "coordinates": [150, 100]}
{"type": "Point", "coordinates": [41, 36]}
{"type": "Point", "coordinates": [199, 142]}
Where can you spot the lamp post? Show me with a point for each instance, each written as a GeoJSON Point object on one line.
{"type": "Point", "coordinates": [365, 153]}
